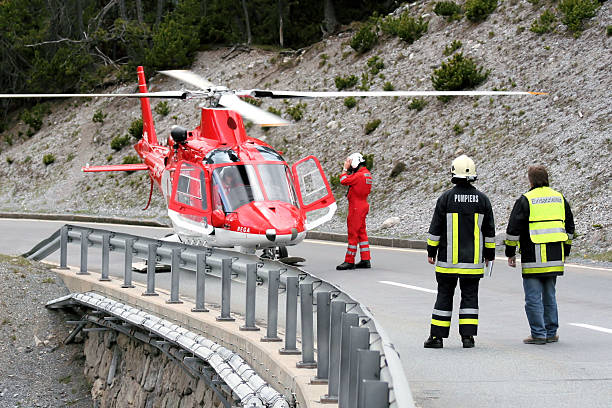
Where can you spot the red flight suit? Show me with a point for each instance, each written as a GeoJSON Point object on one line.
{"type": "Point", "coordinates": [360, 185]}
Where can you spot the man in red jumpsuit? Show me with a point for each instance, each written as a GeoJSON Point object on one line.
{"type": "Point", "coordinates": [358, 178]}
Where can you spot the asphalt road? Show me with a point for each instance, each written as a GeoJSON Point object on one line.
{"type": "Point", "coordinates": [400, 290]}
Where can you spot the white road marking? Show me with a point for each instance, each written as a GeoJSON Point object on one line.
{"type": "Point", "coordinates": [343, 244]}
{"type": "Point", "coordinates": [403, 285]}
{"type": "Point", "coordinates": [85, 222]}
{"type": "Point", "coordinates": [590, 326]}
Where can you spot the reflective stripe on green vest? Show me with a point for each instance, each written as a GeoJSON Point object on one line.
{"type": "Point", "coordinates": [546, 215]}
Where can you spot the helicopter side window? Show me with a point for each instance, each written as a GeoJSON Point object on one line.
{"type": "Point", "coordinates": [235, 186]}
{"type": "Point", "coordinates": [276, 179]}
{"type": "Point", "coordinates": [191, 188]}
{"type": "Point", "coordinates": [219, 156]}
{"type": "Point", "coordinates": [269, 154]}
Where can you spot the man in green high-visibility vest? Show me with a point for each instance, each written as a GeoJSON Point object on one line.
{"type": "Point", "coordinates": [542, 225]}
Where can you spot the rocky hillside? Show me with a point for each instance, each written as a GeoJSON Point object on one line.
{"type": "Point", "coordinates": [568, 131]}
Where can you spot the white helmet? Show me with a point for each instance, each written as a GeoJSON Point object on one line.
{"type": "Point", "coordinates": [463, 168]}
{"type": "Point", "coordinates": [356, 159]}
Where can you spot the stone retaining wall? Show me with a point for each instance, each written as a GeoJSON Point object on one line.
{"type": "Point", "coordinates": [144, 377]}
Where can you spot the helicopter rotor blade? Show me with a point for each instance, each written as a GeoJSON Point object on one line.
{"type": "Point", "coordinates": [167, 95]}
{"type": "Point", "coordinates": [264, 93]}
{"type": "Point", "coordinates": [251, 112]}
{"type": "Point", "coordinates": [189, 77]}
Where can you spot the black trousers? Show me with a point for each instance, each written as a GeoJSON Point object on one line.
{"type": "Point", "coordinates": [443, 309]}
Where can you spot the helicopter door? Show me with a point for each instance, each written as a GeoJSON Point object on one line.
{"type": "Point", "coordinates": [189, 206]}
{"type": "Point", "coordinates": [314, 193]}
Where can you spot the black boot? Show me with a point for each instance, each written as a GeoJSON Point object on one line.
{"type": "Point", "coordinates": [344, 266]}
{"type": "Point", "coordinates": [433, 342]}
{"type": "Point", "coordinates": [363, 265]}
{"type": "Point", "coordinates": [468, 341]}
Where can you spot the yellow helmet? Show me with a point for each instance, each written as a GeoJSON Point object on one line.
{"type": "Point", "coordinates": [464, 168]}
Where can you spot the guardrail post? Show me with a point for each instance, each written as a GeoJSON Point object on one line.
{"type": "Point", "coordinates": [151, 262]}
{"type": "Point", "coordinates": [251, 282]}
{"type": "Point", "coordinates": [84, 248]}
{"type": "Point", "coordinates": [368, 368]}
{"type": "Point", "coordinates": [271, 330]}
{"type": "Point", "coordinates": [359, 339]}
{"type": "Point", "coordinates": [323, 319]}
{"type": "Point", "coordinates": [64, 248]}
{"type": "Point", "coordinates": [105, 256]}
{"type": "Point", "coordinates": [348, 320]}
{"type": "Point", "coordinates": [175, 274]}
{"type": "Point", "coordinates": [338, 307]}
{"type": "Point", "coordinates": [201, 269]}
{"type": "Point", "coordinates": [226, 290]}
{"type": "Point", "coordinates": [376, 394]}
{"type": "Point", "coordinates": [127, 267]}
{"type": "Point", "coordinates": [308, 360]}
{"type": "Point", "coordinates": [291, 317]}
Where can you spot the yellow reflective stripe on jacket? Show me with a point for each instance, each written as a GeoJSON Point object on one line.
{"type": "Point", "coordinates": [546, 215]}
{"type": "Point", "coordinates": [547, 269]}
{"type": "Point", "coordinates": [476, 240]}
{"type": "Point", "coordinates": [433, 240]}
{"type": "Point", "coordinates": [455, 238]}
{"type": "Point", "coordinates": [468, 321]}
{"type": "Point", "coordinates": [460, 271]}
{"type": "Point", "coordinates": [441, 323]}
{"type": "Point", "coordinates": [489, 242]}
{"type": "Point", "coordinates": [510, 243]}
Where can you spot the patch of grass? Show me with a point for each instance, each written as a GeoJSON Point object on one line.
{"type": "Point", "coordinates": [544, 23]}
{"type": "Point", "coordinates": [602, 257]}
{"type": "Point", "coordinates": [34, 117]}
{"type": "Point", "coordinates": [405, 27]}
{"type": "Point", "coordinates": [70, 157]}
{"type": "Point", "coordinates": [334, 181]}
{"type": "Point", "coordinates": [275, 111]}
{"type": "Point", "coordinates": [119, 142]}
{"type": "Point", "coordinates": [417, 104]}
{"type": "Point", "coordinates": [575, 12]}
{"type": "Point", "coordinates": [452, 47]}
{"type": "Point", "coordinates": [375, 64]}
{"type": "Point", "coordinates": [365, 39]}
{"type": "Point", "coordinates": [8, 139]}
{"type": "Point", "coordinates": [398, 168]}
{"type": "Point", "coordinates": [9, 160]}
{"type": "Point", "coordinates": [458, 73]}
{"type": "Point", "coordinates": [48, 280]}
{"type": "Point", "coordinates": [345, 82]}
{"type": "Point", "coordinates": [162, 108]}
{"type": "Point", "coordinates": [323, 60]}
{"type": "Point", "coordinates": [48, 159]}
{"type": "Point", "coordinates": [350, 102]}
{"type": "Point", "coordinates": [65, 380]}
{"type": "Point", "coordinates": [135, 129]}
{"type": "Point", "coordinates": [388, 86]}
{"type": "Point", "coordinates": [609, 30]}
{"type": "Point", "coordinates": [369, 161]}
{"type": "Point", "coordinates": [479, 10]}
{"type": "Point", "coordinates": [371, 126]}
{"type": "Point", "coordinates": [296, 111]}
{"type": "Point", "coordinates": [448, 9]}
{"type": "Point", "coordinates": [457, 129]}
{"type": "Point", "coordinates": [99, 116]}
{"type": "Point", "coordinates": [131, 159]}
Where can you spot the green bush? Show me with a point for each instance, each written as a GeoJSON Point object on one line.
{"type": "Point", "coordinates": [324, 58]}
{"type": "Point", "coordinates": [369, 161]}
{"type": "Point", "coordinates": [48, 159]}
{"type": "Point", "coordinates": [479, 10]}
{"type": "Point", "coordinates": [334, 181]}
{"type": "Point", "coordinates": [417, 104]}
{"type": "Point", "coordinates": [162, 108]}
{"type": "Point", "coordinates": [371, 126]}
{"type": "Point", "coordinates": [9, 160]}
{"type": "Point", "coordinates": [350, 102]}
{"type": "Point", "coordinates": [575, 12]}
{"type": "Point", "coordinates": [388, 86]}
{"type": "Point", "coordinates": [345, 82]}
{"type": "Point", "coordinates": [448, 9]}
{"type": "Point", "coordinates": [119, 142]}
{"type": "Point", "coordinates": [252, 101]}
{"type": "Point", "coordinates": [34, 117]}
{"type": "Point", "coordinates": [397, 169]}
{"type": "Point", "coordinates": [458, 73]}
{"type": "Point", "coordinates": [375, 64]}
{"type": "Point", "coordinates": [365, 39]}
{"type": "Point", "coordinates": [458, 129]}
{"type": "Point", "coordinates": [135, 129]}
{"type": "Point", "coordinates": [544, 23]}
{"type": "Point", "coordinates": [275, 111]}
{"type": "Point", "coordinates": [365, 82]}
{"type": "Point", "coordinates": [452, 47]}
{"type": "Point", "coordinates": [405, 27]}
{"type": "Point", "coordinates": [296, 112]}
{"type": "Point", "coordinates": [8, 139]}
{"type": "Point", "coordinates": [609, 30]}
{"type": "Point", "coordinates": [99, 116]}
{"type": "Point", "coordinates": [131, 159]}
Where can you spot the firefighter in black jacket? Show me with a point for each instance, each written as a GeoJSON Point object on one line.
{"type": "Point", "coordinates": [542, 224]}
{"type": "Point", "coordinates": [462, 235]}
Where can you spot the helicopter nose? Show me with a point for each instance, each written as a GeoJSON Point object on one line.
{"type": "Point", "coordinates": [271, 234]}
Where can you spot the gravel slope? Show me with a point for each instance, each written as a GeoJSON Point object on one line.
{"type": "Point", "coordinates": [568, 131]}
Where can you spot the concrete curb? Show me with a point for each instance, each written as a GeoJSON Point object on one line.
{"type": "Point", "coordinates": [319, 235]}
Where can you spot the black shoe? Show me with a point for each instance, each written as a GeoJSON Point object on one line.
{"type": "Point", "coordinates": [468, 341]}
{"type": "Point", "coordinates": [363, 265]}
{"type": "Point", "coordinates": [433, 342]}
{"type": "Point", "coordinates": [344, 266]}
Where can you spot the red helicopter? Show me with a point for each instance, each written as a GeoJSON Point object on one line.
{"type": "Point", "coordinates": [224, 188]}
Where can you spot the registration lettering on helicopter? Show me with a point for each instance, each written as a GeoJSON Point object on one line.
{"type": "Point", "coordinates": [246, 230]}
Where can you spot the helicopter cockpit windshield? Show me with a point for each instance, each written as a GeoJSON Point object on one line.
{"type": "Point", "coordinates": [237, 185]}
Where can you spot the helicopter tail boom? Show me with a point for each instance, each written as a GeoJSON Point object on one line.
{"type": "Point", "coordinates": [115, 167]}
{"type": "Point", "coordinates": [148, 127]}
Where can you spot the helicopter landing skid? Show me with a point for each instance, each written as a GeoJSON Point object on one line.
{"type": "Point", "coordinates": [141, 267]}
{"type": "Point", "coordinates": [291, 260]}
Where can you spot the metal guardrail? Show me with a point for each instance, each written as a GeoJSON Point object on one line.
{"type": "Point", "coordinates": [356, 358]}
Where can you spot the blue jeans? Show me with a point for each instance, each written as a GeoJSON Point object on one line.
{"type": "Point", "coordinates": [541, 306]}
